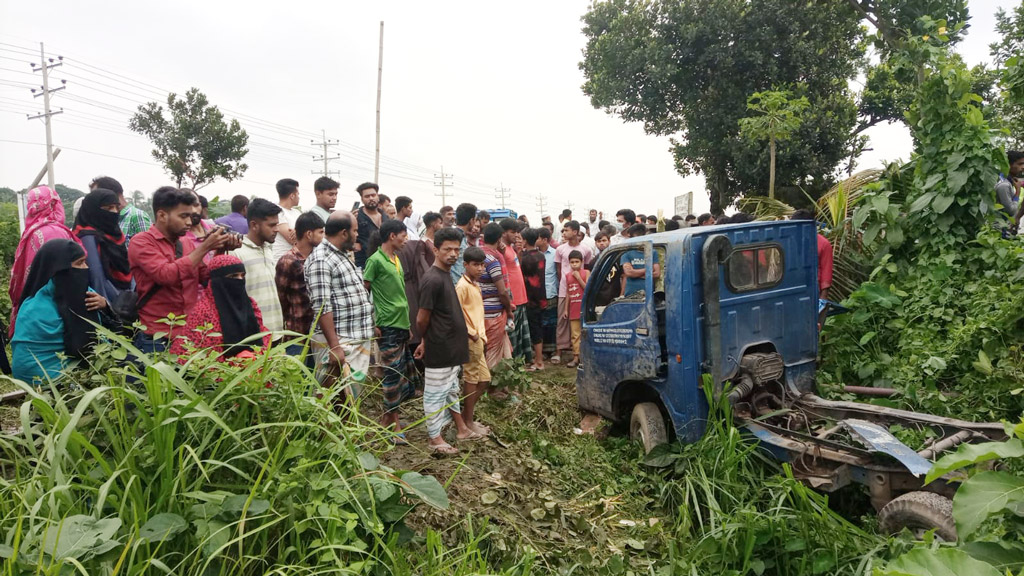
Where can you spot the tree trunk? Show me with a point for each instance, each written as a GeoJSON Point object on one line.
{"type": "Point", "coordinates": [771, 168]}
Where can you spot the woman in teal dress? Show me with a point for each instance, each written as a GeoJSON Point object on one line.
{"type": "Point", "coordinates": [55, 308]}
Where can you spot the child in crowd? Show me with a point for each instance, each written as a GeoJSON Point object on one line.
{"type": "Point", "coordinates": [475, 374]}
{"type": "Point", "coordinates": [575, 280]}
{"type": "Point", "coordinates": [601, 241]}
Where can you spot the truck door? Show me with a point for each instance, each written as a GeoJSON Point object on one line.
{"type": "Point", "coordinates": [619, 341]}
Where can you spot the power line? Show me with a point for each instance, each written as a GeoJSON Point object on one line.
{"type": "Point", "coordinates": [540, 203]}
{"type": "Point", "coordinates": [45, 66]}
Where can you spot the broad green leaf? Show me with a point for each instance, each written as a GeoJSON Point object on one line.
{"type": "Point", "coordinates": [983, 364]}
{"type": "Point", "coordinates": [233, 506]}
{"type": "Point", "coordinates": [983, 495]}
{"type": "Point", "coordinates": [860, 215]}
{"type": "Point", "coordinates": [930, 182]}
{"type": "Point", "coordinates": [871, 233]}
{"type": "Point", "coordinates": [880, 203]}
{"type": "Point", "coordinates": [968, 454]}
{"type": "Point", "coordinates": [1004, 555]}
{"type": "Point", "coordinates": [162, 527]}
{"type": "Point", "coordinates": [942, 203]}
{"type": "Point", "coordinates": [922, 202]}
{"type": "Point", "coordinates": [427, 488]}
{"type": "Point", "coordinates": [957, 179]}
{"type": "Point", "coordinates": [368, 461]}
{"type": "Point", "coordinates": [938, 562]}
{"type": "Point", "coordinates": [79, 535]}
{"type": "Point", "coordinates": [382, 488]}
{"type": "Point", "coordinates": [867, 337]}
{"type": "Point", "coordinates": [661, 456]}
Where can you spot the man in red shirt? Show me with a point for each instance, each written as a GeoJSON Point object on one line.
{"type": "Point", "coordinates": [824, 256]}
{"type": "Point", "coordinates": [168, 267]}
{"type": "Point", "coordinates": [520, 334]}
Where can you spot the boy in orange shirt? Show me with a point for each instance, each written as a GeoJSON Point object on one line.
{"type": "Point", "coordinates": [575, 280]}
{"type": "Point", "coordinates": [475, 374]}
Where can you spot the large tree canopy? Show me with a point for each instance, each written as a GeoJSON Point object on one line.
{"type": "Point", "coordinates": [685, 69]}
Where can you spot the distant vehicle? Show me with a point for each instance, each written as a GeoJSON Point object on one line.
{"type": "Point", "coordinates": [734, 312]}
{"type": "Point", "coordinates": [502, 213]}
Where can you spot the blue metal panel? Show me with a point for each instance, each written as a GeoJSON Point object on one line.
{"type": "Point", "coordinates": [783, 316]}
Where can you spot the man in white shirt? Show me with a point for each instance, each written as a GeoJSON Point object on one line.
{"type": "Point", "coordinates": [288, 193]}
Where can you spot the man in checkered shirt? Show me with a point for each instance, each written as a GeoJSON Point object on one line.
{"type": "Point", "coordinates": [345, 326]}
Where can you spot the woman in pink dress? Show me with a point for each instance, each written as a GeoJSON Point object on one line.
{"type": "Point", "coordinates": [44, 220]}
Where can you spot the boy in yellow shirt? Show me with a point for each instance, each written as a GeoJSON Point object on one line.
{"type": "Point", "coordinates": [475, 374]}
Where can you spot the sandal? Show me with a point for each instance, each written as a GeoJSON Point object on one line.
{"type": "Point", "coordinates": [399, 439]}
{"type": "Point", "coordinates": [556, 359]}
{"type": "Point", "coordinates": [473, 435]}
{"type": "Point", "coordinates": [442, 450]}
{"type": "Point", "coordinates": [573, 364]}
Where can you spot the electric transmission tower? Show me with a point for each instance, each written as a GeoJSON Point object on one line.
{"type": "Point", "coordinates": [324, 143]}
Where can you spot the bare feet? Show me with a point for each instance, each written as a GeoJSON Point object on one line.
{"type": "Point", "coordinates": [480, 428]}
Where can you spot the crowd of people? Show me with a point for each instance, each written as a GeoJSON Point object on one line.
{"type": "Point", "coordinates": [428, 306]}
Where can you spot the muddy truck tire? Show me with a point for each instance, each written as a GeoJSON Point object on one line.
{"type": "Point", "coordinates": [647, 426]}
{"type": "Point", "coordinates": [919, 512]}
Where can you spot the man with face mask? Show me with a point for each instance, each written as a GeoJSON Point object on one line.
{"type": "Point", "coordinates": [257, 255]}
{"type": "Point", "coordinates": [337, 293]}
{"type": "Point", "coordinates": [168, 267]}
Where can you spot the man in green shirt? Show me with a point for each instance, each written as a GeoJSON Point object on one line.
{"type": "Point", "coordinates": [385, 280]}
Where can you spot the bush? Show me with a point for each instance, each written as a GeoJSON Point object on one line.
{"type": "Point", "coordinates": [198, 468]}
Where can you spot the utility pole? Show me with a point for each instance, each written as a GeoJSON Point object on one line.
{"type": "Point", "coordinates": [44, 67]}
{"type": "Point", "coordinates": [569, 206]}
{"type": "Point", "coordinates": [324, 158]}
{"type": "Point", "coordinates": [540, 203]}
{"type": "Point", "coordinates": [380, 73]}
{"type": "Point", "coordinates": [503, 194]}
{"type": "Point", "coordinates": [444, 183]}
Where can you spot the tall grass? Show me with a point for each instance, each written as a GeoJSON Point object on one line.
{"type": "Point", "coordinates": [737, 512]}
{"type": "Point", "coordinates": [154, 467]}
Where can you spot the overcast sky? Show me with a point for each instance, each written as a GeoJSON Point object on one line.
{"type": "Point", "coordinates": [490, 91]}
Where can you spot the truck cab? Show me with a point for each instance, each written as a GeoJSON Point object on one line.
{"type": "Point", "coordinates": [734, 308]}
{"type": "Point", "coordinates": [648, 345]}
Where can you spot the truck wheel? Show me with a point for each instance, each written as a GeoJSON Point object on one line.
{"type": "Point", "coordinates": [648, 426]}
{"type": "Point", "coordinates": [919, 512]}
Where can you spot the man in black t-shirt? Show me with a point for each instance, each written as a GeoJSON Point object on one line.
{"type": "Point", "coordinates": [445, 345]}
{"type": "Point", "coordinates": [534, 265]}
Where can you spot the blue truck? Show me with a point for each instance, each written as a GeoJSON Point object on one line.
{"type": "Point", "coordinates": [735, 308]}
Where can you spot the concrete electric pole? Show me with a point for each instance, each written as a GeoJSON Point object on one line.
{"type": "Point", "coordinates": [445, 181]}
{"type": "Point", "coordinates": [44, 67]}
{"type": "Point", "coordinates": [380, 73]}
{"type": "Point", "coordinates": [503, 194]}
{"type": "Point", "coordinates": [325, 143]}
{"type": "Point", "coordinates": [540, 203]}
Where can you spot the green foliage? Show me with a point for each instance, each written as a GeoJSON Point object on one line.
{"type": "Point", "coordinates": [10, 234]}
{"type": "Point", "coordinates": [196, 469]}
{"type": "Point", "coordinates": [195, 144]}
{"type": "Point", "coordinates": [686, 69]}
{"type": "Point", "coordinates": [775, 118]}
{"type": "Point", "coordinates": [940, 317]}
{"type": "Point", "coordinates": [510, 374]}
{"type": "Point", "coordinates": [1006, 53]}
{"type": "Point", "coordinates": [991, 499]}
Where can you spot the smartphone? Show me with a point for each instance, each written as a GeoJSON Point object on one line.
{"type": "Point", "coordinates": [355, 206]}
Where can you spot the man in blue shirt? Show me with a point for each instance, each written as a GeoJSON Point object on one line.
{"type": "Point", "coordinates": [634, 265]}
{"type": "Point", "coordinates": [236, 220]}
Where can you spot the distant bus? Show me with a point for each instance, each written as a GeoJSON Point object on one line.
{"type": "Point", "coordinates": [502, 213]}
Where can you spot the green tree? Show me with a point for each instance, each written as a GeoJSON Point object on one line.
{"type": "Point", "coordinates": [776, 117]}
{"type": "Point", "coordinates": [195, 144]}
{"type": "Point", "coordinates": [685, 69]}
{"type": "Point", "coordinates": [1006, 53]}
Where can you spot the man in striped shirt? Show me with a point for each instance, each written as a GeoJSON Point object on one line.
{"type": "Point", "coordinates": [257, 254]}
